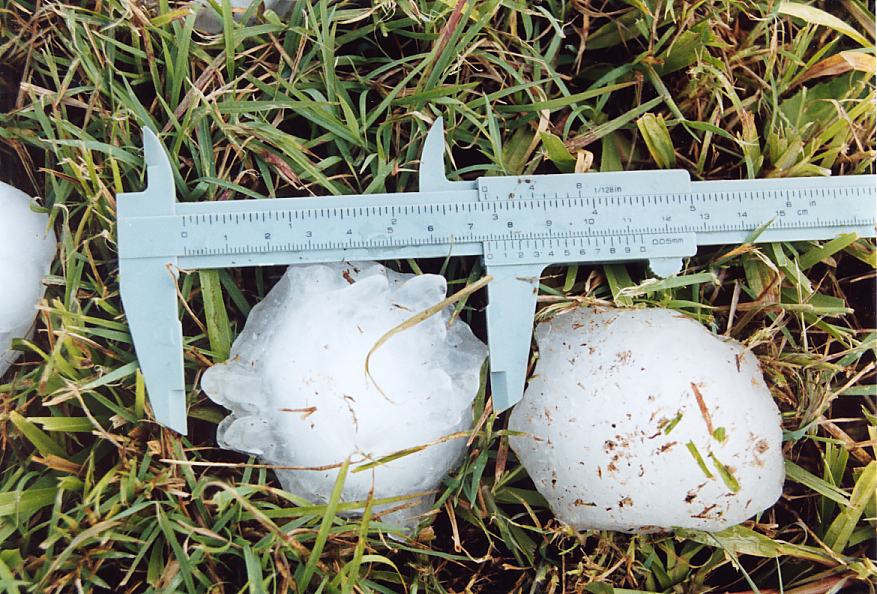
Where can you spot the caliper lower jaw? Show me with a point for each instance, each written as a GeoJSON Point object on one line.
{"type": "Point", "coordinates": [149, 288]}
{"type": "Point", "coordinates": [511, 307]}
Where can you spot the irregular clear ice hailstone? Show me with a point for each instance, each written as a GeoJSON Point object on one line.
{"type": "Point", "coordinates": [642, 420]}
{"type": "Point", "coordinates": [299, 395]}
{"type": "Point", "coordinates": [27, 248]}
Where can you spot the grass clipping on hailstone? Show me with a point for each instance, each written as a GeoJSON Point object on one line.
{"type": "Point", "coordinates": [94, 496]}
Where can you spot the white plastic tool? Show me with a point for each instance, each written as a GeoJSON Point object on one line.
{"type": "Point", "coordinates": [518, 224]}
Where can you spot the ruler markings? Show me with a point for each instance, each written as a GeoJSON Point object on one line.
{"type": "Point", "coordinates": [806, 208]}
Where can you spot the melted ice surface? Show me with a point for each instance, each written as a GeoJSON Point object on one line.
{"type": "Point", "coordinates": [299, 394]}
{"type": "Point", "coordinates": [27, 248]}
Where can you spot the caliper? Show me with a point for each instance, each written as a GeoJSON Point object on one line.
{"type": "Point", "coordinates": [517, 224]}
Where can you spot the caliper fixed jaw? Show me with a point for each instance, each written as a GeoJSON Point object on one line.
{"type": "Point", "coordinates": [148, 287]}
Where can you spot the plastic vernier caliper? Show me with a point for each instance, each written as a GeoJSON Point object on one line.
{"type": "Point", "coordinates": [517, 224]}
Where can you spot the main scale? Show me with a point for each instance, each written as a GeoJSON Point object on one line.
{"type": "Point", "coordinates": [518, 224]}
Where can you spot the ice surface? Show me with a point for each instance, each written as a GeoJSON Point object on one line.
{"type": "Point", "coordinates": [299, 395]}
{"type": "Point", "coordinates": [615, 419]}
{"type": "Point", "coordinates": [210, 20]}
{"type": "Point", "coordinates": [26, 251]}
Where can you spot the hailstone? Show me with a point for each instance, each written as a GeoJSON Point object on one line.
{"type": "Point", "coordinates": [297, 386]}
{"type": "Point", "coordinates": [27, 248]}
{"type": "Point", "coordinates": [210, 21]}
{"type": "Point", "coordinates": [642, 420]}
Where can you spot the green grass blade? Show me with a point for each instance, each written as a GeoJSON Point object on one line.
{"type": "Point", "coordinates": [325, 526]}
{"type": "Point", "coordinates": [838, 535]}
{"type": "Point", "coordinates": [218, 327]}
{"type": "Point", "coordinates": [44, 444]}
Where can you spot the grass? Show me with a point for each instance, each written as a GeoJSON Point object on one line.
{"type": "Point", "coordinates": [94, 496]}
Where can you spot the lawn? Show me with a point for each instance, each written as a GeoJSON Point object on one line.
{"type": "Point", "coordinates": [336, 99]}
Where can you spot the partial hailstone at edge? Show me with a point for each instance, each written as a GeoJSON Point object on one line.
{"type": "Point", "coordinates": [615, 427]}
{"type": "Point", "coordinates": [27, 248]}
{"type": "Point", "coordinates": [210, 21]}
{"type": "Point", "coordinates": [297, 388]}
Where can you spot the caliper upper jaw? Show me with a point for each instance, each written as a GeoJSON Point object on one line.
{"type": "Point", "coordinates": [432, 174]}
{"type": "Point", "coordinates": [148, 287]}
{"type": "Point", "coordinates": [159, 197]}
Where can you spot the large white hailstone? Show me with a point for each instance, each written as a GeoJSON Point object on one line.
{"type": "Point", "coordinates": [642, 420]}
{"type": "Point", "coordinates": [27, 247]}
{"type": "Point", "coordinates": [299, 394]}
{"type": "Point", "coordinates": [210, 21]}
